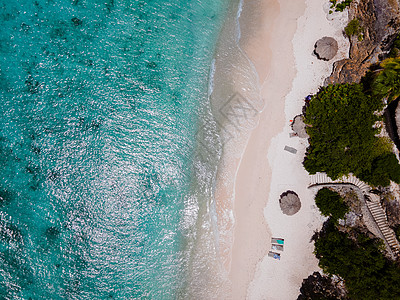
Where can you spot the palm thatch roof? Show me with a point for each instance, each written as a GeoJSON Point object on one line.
{"type": "Point", "coordinates": [326, 48]}
{"type": "Point", "coordinates": [290, 203]}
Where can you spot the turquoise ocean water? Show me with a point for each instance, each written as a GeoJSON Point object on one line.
{"type": "Point", "coordinates": [100, 105]}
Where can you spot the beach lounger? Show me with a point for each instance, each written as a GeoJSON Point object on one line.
{"type": "Point", "coordinates": [277, 241]}
{"type": "Point", "coordinates": [274, 255]}
{"type": "Point", "coordinates": [290, 149]}
{"type": "Point", "coordinates": [277, 247]}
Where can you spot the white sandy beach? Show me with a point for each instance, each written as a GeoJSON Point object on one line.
{"type": "Point", "coordinates": [279, 40]}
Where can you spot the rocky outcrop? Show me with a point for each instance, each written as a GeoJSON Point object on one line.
{"type": "Point", "coordinates": [380, 21]}
{"type": "Point", "coordinates": [318, 286]}
{"type": "Point", "coordinates": [396, 123]}
{"type": "Point", "coordinates": [392, 121]}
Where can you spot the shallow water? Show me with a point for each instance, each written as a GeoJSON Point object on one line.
{"type": "Point", "coordinates": [101, 102]}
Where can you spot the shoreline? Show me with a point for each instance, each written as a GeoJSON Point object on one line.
{"type": "Point", "coordinates": [270, 50]}
{"type": "Point", "coordinates": [235, 105]}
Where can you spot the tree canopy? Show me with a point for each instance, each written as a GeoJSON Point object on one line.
{"type": "Point", "coordinates": [387, 82]}
{"type": "Point", "coordinates": [331, 204]}
{"type": "Point", "coordinates": [341, 124]}
{"type": "Point", "coordinates": [367, 273]}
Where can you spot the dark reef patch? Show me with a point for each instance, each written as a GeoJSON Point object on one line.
{"type": "Point", "coordinates": [76, 21]}
{"type": "Point", "coordinates": [9, 232]}
{"type": "Point", "coordinates": [6, 196]}
{"type": "Point", "coordinates": [52, 234]}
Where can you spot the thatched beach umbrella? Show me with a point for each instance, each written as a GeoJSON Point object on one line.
{"type": "Point", "coordinates": [299, 127]}
{"type": "Point", "coordinates": [289, 203]}
{"type": "Point", "coordinates": [326, 48]}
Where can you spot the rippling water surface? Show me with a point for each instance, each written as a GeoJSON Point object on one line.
{"type": "Point", "coordinates": [99, 108]}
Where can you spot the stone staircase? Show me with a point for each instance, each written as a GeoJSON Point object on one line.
{"type": "Point", "coordinates": [323, 179]}
{"type": "Point", "coordinates": [379, 215]}
{"type": "Point", "coordinates": [372, 202]}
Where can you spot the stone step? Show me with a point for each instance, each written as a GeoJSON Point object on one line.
{"type": "Point", "coordinates": [376, 211]}
{"type": "Point", "coordinates": [381, 218]}
{"type": "Point", "coordinates": [376, 208]}
{"type": "Point", "coordinates": [381, 226]}
{"type": "Point", "coordinates": [387, 235]}
{"type": "Point", "coordinates": [382, 221]}
{"type": "Point", "coordinates": [387, 228]}
{"type": "Point", "coordinates": [384, 224]}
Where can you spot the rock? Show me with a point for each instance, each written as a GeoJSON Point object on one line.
{"type": "Point", "coordinates": [380, 22]}
{"type": "Point", "coordinates": [326, 48]}
{"type": "Point", "coordinates": [392, 209]}
{"type": "Point", "coordinates": [396, 122]}
{"type": "Point", "coordinates": [289, 203]}
{"type": "Point", "coordinates": [318, 286]}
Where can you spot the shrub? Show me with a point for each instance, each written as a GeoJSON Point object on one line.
{"type": "Point", "coordinates": [353, 28]}
{"type": "Point", "coordinates": [341, 6]}
{"type": "Point", "coordinates": [395, 52]}
{"type": "Point", "coordinates": [387, 81]}
{"type": "Point", "coordinates": [384, 168]}
{"type": "Point", "coordinates": [331, 204]}
{"type": "Point", "coordinates": [397, 231]}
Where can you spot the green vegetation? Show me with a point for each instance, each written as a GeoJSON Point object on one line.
{"type": "Point", "coordinates": [395, 51]}
{"type": "Point", "coordinates": [359, 261]}
{"type": "Point", "coordinates": [387, 82]}
{"type": "Point", "coordinates": [341, 6]}
{"type": "Point", "coordinates": [397, 231]}
{"type": "Point", "coordinates": [340, 121]}
{"type": "Point", "coordinates": [342, 124]}
{"type": "Point", "coordinates": [354, 28]}
{"type": "Point", "coordinates": [384, 168]}
{"type": "Point", "coordinates": [331, 204]}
